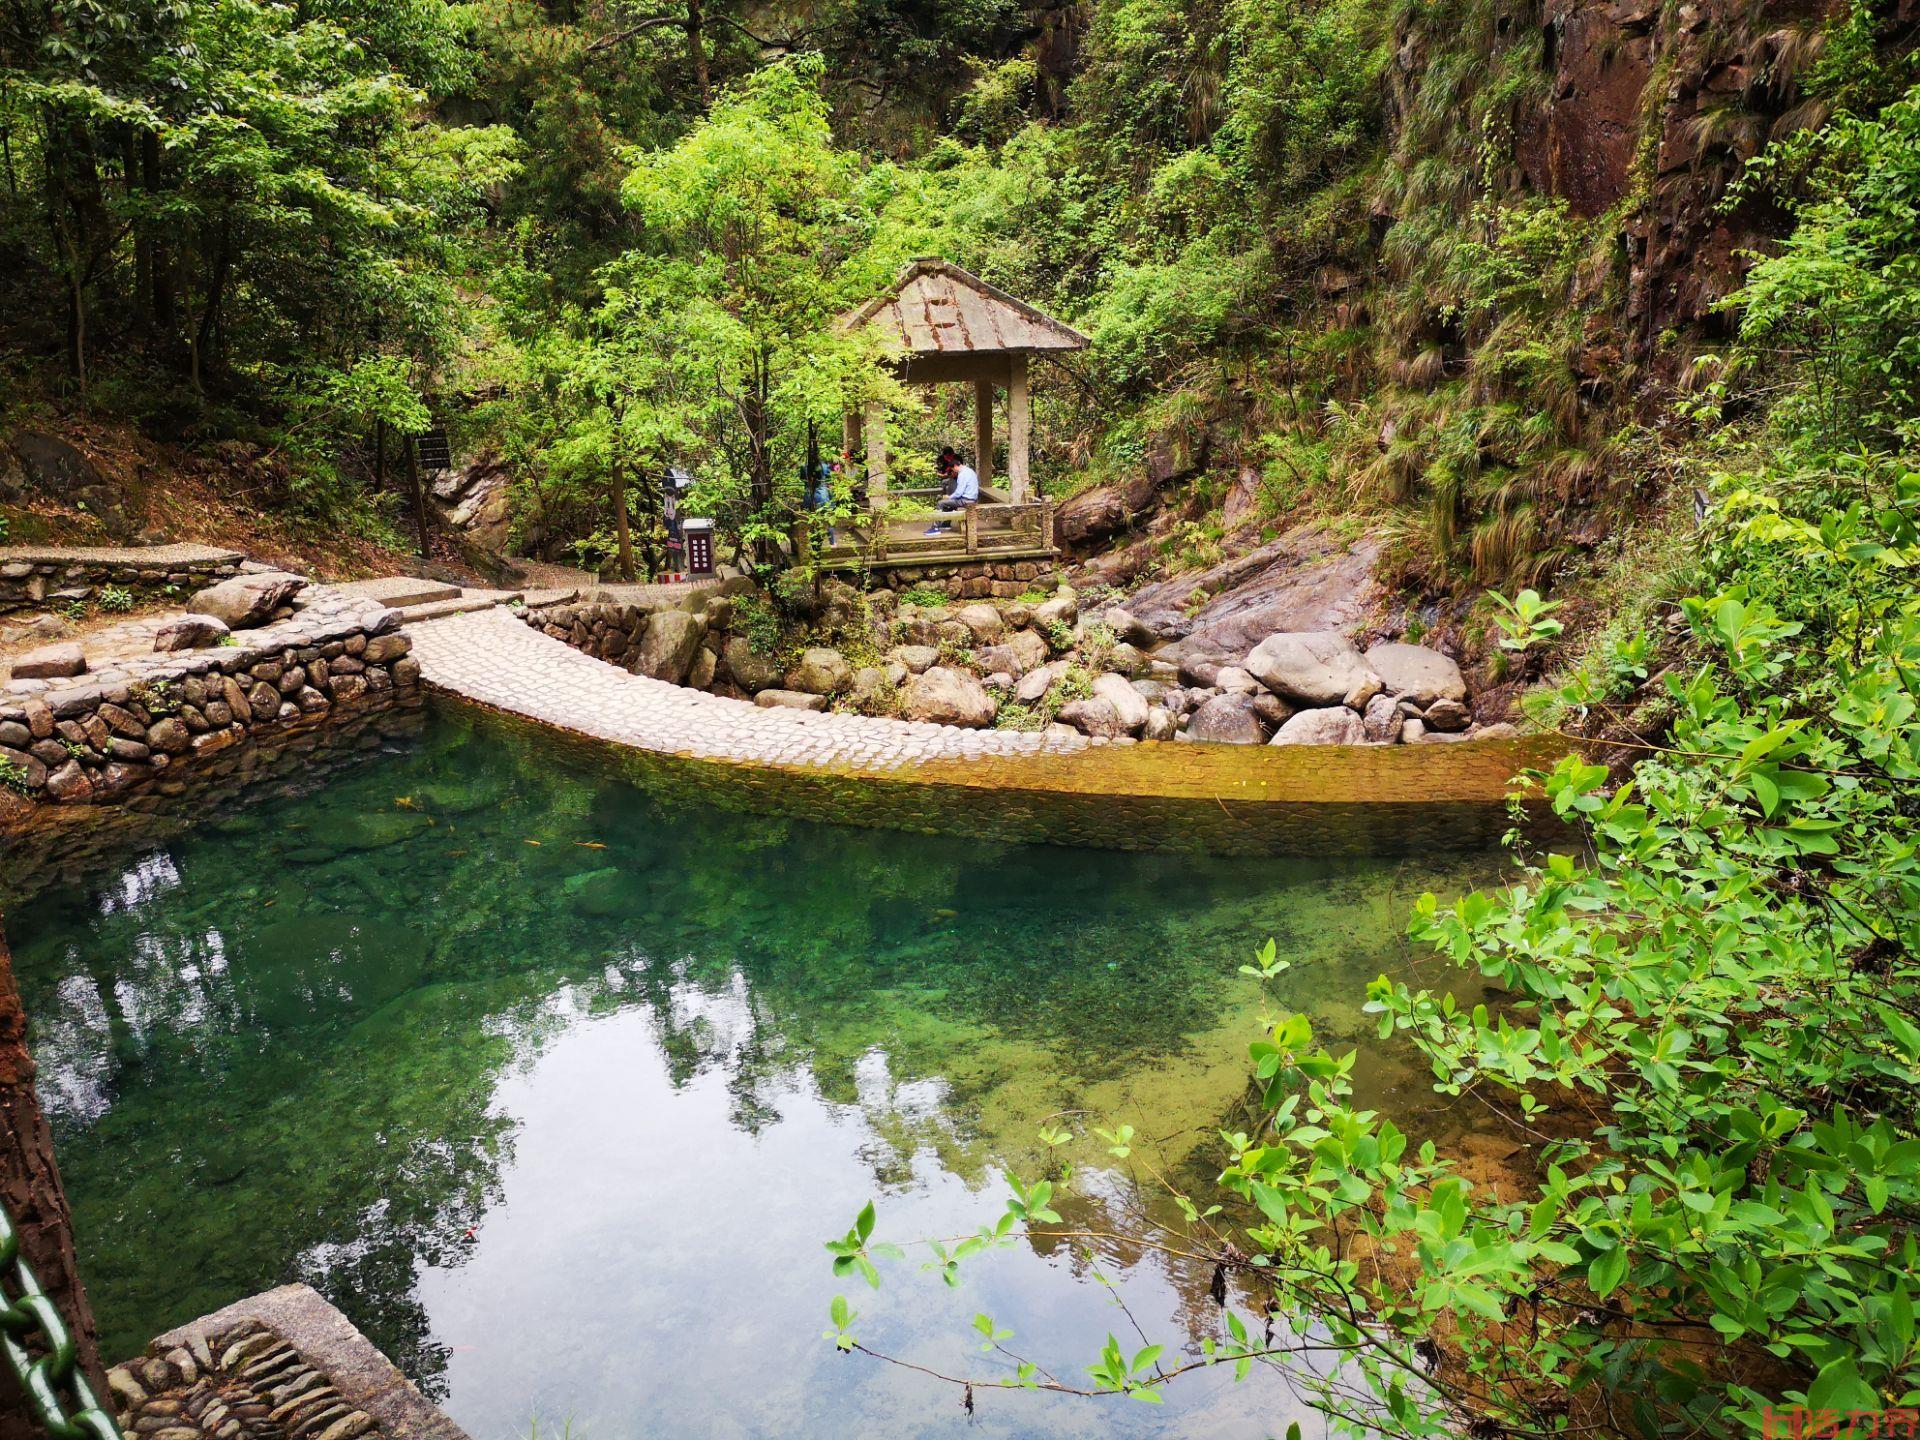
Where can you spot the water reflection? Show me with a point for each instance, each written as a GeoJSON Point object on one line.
{"type": "Point", "coordinates": [556, 1090]}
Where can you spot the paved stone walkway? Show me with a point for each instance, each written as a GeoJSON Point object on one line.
{"type": "Point", "coordinates": [152, 557]}
{"type": "Point", "coordinates": [498, 660]}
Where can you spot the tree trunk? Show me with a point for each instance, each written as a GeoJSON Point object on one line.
{"type": "Point", "coordinates": [697, 49]}
{"type": "Point", "coordinates": [379, 456]}
{"type": "Point", "coordinates": [163, 309]}
{"type": "Point", "coordinates": [30, 1184]}
{"type": "Point", "coordinates": [416, 493]}
{"type": "Point", "coordinates": [618, 479]}
{"type": "Point", "coordinates": [210, 315]}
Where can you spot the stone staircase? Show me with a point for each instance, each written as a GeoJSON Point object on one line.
{"type": "Point", "coordinates": [417, 599]}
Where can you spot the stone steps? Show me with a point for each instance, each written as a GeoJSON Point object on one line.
{"type": "Point", "coordinates": [399, 592]}
{"type": "Point", "coordinates": [461, 602]}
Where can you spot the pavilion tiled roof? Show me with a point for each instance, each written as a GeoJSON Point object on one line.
{"type": "Point", "coordinates": [936, 308]}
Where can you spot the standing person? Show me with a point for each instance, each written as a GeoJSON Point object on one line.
{"type": "Point", "coordinates": [962, 485]}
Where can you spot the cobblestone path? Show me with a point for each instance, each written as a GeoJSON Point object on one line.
{"type": "Point", "coordinates": [492, 657]}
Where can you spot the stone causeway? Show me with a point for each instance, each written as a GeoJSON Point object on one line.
{"type": "Point", "coordinates": [494, 658]}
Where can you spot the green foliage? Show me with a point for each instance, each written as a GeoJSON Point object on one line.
{"type": "Point", "coordinates": [114, 600]}
{"type": "Point", "coordinates": [1525, 621]}
{"type": "Point", "coordinates": [13, 775]}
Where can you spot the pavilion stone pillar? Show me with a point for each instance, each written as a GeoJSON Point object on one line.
{"type": "Point", "coordinates": [983, 429]}
{"type": "Point", "coordinates": [1019, 432]}
{"type": "Point", "coordinates": [876, 432]}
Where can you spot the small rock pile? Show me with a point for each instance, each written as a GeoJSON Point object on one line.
{"type": "Point", "coordinates": [1032, 663]}
{"type": "Point", "coordinates": [245, 1383]}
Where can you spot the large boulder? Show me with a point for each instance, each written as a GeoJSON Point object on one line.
{"type": "Point", "coordinates": [247, 600]}
{"type": "Point", "coordinates": [820, 671]}
{"type": "Point", "coordinates": [1311, 578]}
{"type": "Point", "coordinates": [50, 662]}
{"type": "Point", "coordinates": [984, 621]}
{"type": "Point", "coordinates": [1062, 609]}
{"type": "Point", "coordinates": [1033, 685]}
{"type": "Point", "coordinates": [1382, 720]}
{"type": "Point", "coordinates": [1313, 667]}
{"type": "Point", "coordinates": [1336, 725]}
{"type": "Point", "coordinates": [917, 658]}
{"type": "Point", "coordinates": [873, 690]}
{"type": "Point", "coordinates": [1226, 720]}
{"type": "Point", "coordinates": [190, 632]}
{"type": "Point", "coordinates": [1129, 705]}
{"type": "Point", "coordinates": [665, 647]}
{"type": "Point", "coordinates": [1093, 717]}
{"type": "Point", "coordinates": [1448, 715]}
{"type": "Point", "coordinates": [789, 700]}
{"type": "Point", "coordinates": [1029, 649]}
{"type": "Point", "coordinates": [1128, 627]}
{"type": "Point", "coordinates": [1161, 724]}
{"type": "Point", "coordinates": [999, 660]}
{"type": "Point", "coordinates": [1416, 673]}
{"type": "Point", "coordinates": [948, 697]}
{"type": "Point", "coordinates": [751, 671]}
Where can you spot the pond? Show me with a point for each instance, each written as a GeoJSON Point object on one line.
{"type": "Point", "coordinates": [556, 1088]}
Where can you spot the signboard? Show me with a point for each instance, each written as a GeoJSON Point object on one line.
{"type": "Point", "coordinates": [699, 538]}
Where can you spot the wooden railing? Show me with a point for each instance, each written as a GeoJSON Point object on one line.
{"type": "Point", "coordinates": [979, 532]}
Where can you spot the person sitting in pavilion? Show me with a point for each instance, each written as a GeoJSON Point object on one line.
{"type": "Point", "coordinates": [960, 481]}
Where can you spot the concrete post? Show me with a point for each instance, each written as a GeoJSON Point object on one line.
{"type": "Point", "coordinates": [876, 433]}
{"type": "Point", "coordinates": [983, 430]}
{"type": "Point", "coordinates": [1019, 432]}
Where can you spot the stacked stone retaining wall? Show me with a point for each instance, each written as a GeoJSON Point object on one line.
{"type": "Point", "coordinates": [997, 580]}
{"type": "Point", "coordinates": [101, 736]}
{"type": "Point", "coordinates": [47, 578]}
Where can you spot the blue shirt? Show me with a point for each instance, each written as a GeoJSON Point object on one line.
{"type": "Point", "coordinates": [966, 484]}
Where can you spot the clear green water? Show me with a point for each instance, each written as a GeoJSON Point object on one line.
{"type": "Point", "coordinates": [648, 1059]}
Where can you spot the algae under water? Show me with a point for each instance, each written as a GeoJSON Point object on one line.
{"type": "Point", "coordinates": [556, 1089]}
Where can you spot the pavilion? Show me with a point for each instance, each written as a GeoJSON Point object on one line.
{"type": "Point", "coordinates": [952, 327]}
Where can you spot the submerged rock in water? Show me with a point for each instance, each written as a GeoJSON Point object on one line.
{"type": "Point", "coordinates": [344, 834]}
{"type": "Point", "coordinates": [603, 893]}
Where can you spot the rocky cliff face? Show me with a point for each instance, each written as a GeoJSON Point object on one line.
{"type": "Point", "coordinates": [1653, 108]}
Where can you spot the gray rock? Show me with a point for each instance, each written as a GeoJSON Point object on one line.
{"type": "Point", "coordinates": [1416, 673]}
{"type": "Point", "coordinates": [1030, 649]}
{"type": "Point", "coordinates": [1062, 609]}
{"type": "Point", "coordinates": [989, 627]}
{"type": "Point", "coordinates": [751, 670]}
{"type": "Point", "coordinates": [1335, 725]}
{"type": "Point", "coordinates": [1226, 720]}
{"type": "Point", "coordinates": [1499, 730]}
{"type": "Point", "coordinates": [1033, 686]}
{"type": "Point", "coordinates": [1127, 626]}
{"type": "Point", "coordinates": [190, 632]}
{"type": "Point", "coordinates": [1161, 724]}
{"type": "Point", "coordinates": [999, 659]}
{"type": "Point", "coordinates": [1129, 705]}
{"type": "Point", "coordinates": [1234, 680]}
{"type": "Point", "coordinates": [14, 735]}
{"type": "Point", "coordinates": [1411, 731]}
{"type": "Point", "coordinates": [820, 671]}
{"type": "Point", "coordinates": [917, 658]}
{"type": "Point", "coordinates": [50, 662]}
{"type": "Point", "coordinates": [1272, 710]}
{"type": "Point", "coordinates": [247, 600]}
{"type": "Point", "coordinates": [169, 736]}
{"type": "Point", "coordinates": [1202, 668]}
{"type": "Point", "coordinates": [1448, 715]}
{"type": "Point", "coordinates": [789, 700]}
{"type": "Point", "coordinates": [665, 648]}
{"type": "Point", "coordinates": [873, 690]}
{"type": "Point", "coordinates": [948, 697]}
{"type": "Point", "coordinates": [1127, 659]}
{"type": "Point", "coordinates": [705, 665]}
{"type": "Point", "coordinates": [1382, 720]}
{"type": "Point", "coordinates": [1311, 667]}
{"type": "Point", "coordinates": [1095, 717]}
